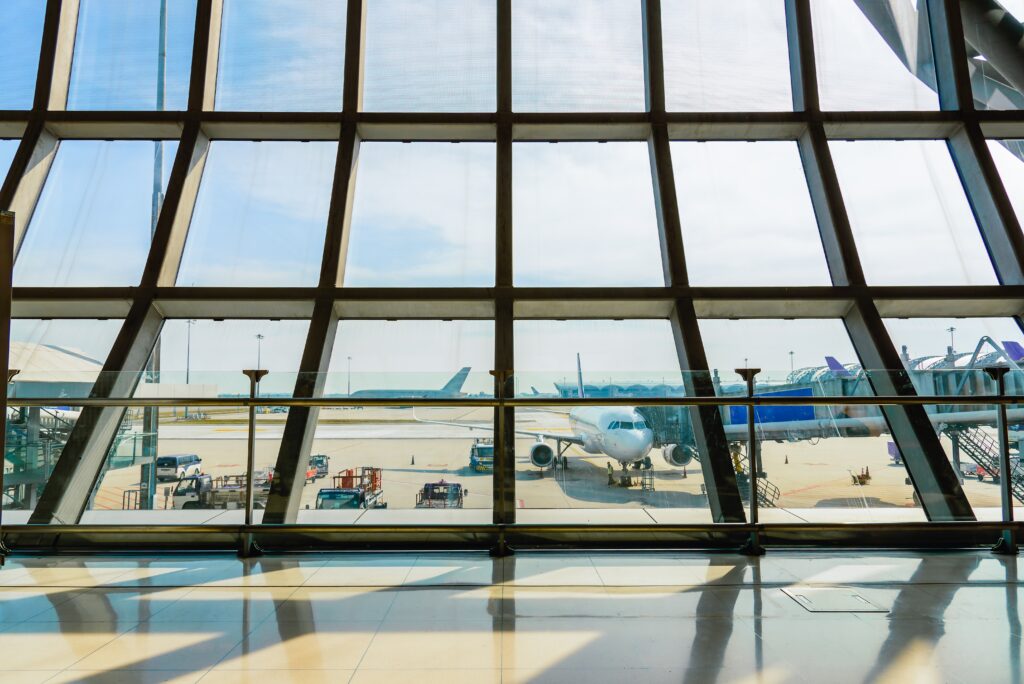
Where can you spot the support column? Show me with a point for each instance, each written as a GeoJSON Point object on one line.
{"type": "Point", "coordinates": [706, 421]}
{"type": "Point", "coordinates": [504, 482]}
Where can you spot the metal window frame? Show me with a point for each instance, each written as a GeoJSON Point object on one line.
{"type": "Point", "coordinates": [861, 306]}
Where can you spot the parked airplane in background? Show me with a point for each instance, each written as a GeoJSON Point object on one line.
{"type": "Point", "coordinates": [452, 389]}
{"type": "Point", "coordinates": [619, 432]}
{"type": "Point", "coordinates": [628, 434]}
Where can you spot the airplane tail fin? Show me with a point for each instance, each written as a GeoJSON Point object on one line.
{"type": "Point", "coordinates": [837, 368]}
{"type": "Point", "coordinates": [579, 378]}
{"type": "Point", "coordinates": [1014, 349]}
{"type": "Point", "coordinates": [454, 386]}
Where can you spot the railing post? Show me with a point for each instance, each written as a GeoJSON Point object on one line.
{"type": "Point", "coordinates": [753, 546]}
{"type": "Point", "coordinates": [248, 548]}
{"type": "Point", "coordinates": [502, 454]}
{"type": "Point", "coordinates": [1007, 544]}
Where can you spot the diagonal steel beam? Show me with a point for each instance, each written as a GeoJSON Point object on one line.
{"type": "Point", "coordinates": [80, 464]}
{"type": "Point", "coordinates": [300, 425]}
{"type": "Point", "coordinates": [930, 471]}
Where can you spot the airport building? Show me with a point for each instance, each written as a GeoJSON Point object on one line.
{"type": "Point", "coordinates": [490, 285]}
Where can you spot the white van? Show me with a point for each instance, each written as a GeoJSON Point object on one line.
{"type": "Point", "coordinates": [177, 466]}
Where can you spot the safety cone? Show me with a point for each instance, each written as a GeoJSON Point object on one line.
{"type": "Point", "coordinates": [684, 472]}
{"type": "Point", "coordinates": [787, 459]}
{"type": "Point", "coordinates": [412, 461]}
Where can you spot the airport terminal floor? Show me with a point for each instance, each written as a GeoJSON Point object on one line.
{"type": "Point", "coordinates": [791, 616]}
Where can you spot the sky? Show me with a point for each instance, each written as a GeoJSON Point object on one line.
{"type": "Point", "coordinates": [423, 213]}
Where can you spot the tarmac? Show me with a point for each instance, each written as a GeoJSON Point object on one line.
{"type": "Point", "coordinates": [815, 480]}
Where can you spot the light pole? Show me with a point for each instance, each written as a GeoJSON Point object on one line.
{"type": "Point", "coordinates": [952, 345]}
{"type": "Point", "coordinates": [348, 378]}
{"type": "Point", "coordinates": [791, 367]}
{"type": "Point", "coordinates": [259, 345]}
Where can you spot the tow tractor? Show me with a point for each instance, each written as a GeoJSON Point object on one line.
{"type": "Point", "coordinates": [481, 455]}
{"type": "Point", "coordinates": [353, 488]}
{"type": "Point", "coordinates": [319, 464]}
{"type": "Point", "coordinates": [226, 491]}
{"type": "Point", "coordinates": [441, 495]}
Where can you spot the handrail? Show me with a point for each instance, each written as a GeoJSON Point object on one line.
{"type": "Point", "coordinates": [525, 402]}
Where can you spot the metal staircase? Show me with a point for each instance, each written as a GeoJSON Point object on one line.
{"type": "Point", "coordinates": [767, 493]}
{"type": "Point", "coordinates": [983, 450]}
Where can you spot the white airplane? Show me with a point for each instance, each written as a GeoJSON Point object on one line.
{"type": "Point", "coordinates": [619, 432]}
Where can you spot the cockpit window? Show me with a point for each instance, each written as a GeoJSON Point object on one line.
{"type": "Point", "coordinates": [614, 425]}
{"type": "Point", "coordinates": [625, 425]}
{"type": "Point", "coordinates": [640, 425]}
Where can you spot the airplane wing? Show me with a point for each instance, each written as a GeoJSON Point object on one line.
{"type": "Point", "coordinates": [558, 436]}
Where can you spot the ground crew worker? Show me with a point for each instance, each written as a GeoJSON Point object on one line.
{"type": "Point", "coordinates": [611, 474]}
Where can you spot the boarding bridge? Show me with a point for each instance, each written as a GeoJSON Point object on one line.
{"type": "Point", "coordinates": [983, 450]}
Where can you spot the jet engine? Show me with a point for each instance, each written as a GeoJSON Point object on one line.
{"type": "Point", "coordinates": [541, 455]}
{"type": "Point", "coordinates": [678, 456]}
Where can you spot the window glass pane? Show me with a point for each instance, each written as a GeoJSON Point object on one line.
{"type": "Point", "coordinates": [127, 56]}
{"type": "Point", "coordinates": [209, 356]}
{"type": "Point", "coordinates": [726, 56]}
{"type": "Point", "coordinates": [7, 150]}
{"type": "Point", "coordinates": [820, 464]}
{"type": "Point", "coordinates": [421, 465]}
{"type": "Point", "coordinates": [423, 215]}
{"type": "Point", "coordinates": [19, 51]}
{"type": "Point", "coordinates": [573, 56]}
{"type": "Point", "coordinates": [746, 215]}
{"type": "Point", "coordinates": [261, 214]}
{"type": "Point", "coordinates": [281, 55]}
{"type": "Point", "coordinates": [614, 470]}
{"type": "Point", "coordinates": [584, 215]}
{"type": "Point", "coordinates": [909, 214]}
{"type": "Point", "coordinates": [95, 217]}
{"type": "Point", "coordinates": [375, 357]}
{"type": "Point", "coordinates": [49, 353]}
{"type": "Point", "coordinates": [610, 352]}
{"type": "Point", "coordinates": [436, 56]}
{"type": "Point", "coordinates": [1009, 158]}
{"type": "Point", "coordinates": [872, 55]}
{"type": "Point", "coordinates": [946, 357]}
{"type": "Point", "coordinates": [992, 54]}
{"type": "Point", "coordinates": [56, 358]}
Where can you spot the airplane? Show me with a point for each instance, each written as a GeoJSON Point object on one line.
{"type": "Point", "coordinates": [619, 432]}
{"type": "Point", "coordinates": [451, 389]}
{"type": "Point", "coordinates": [628, 434]}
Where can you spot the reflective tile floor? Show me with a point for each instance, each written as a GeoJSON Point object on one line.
{"type": "Point", "coordinates": [537, 617]}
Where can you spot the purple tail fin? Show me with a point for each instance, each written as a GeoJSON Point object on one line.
{"type": "Point", "coordinates": [1014, 349]}
{"type": "Point", "coordinates": [838, 369]}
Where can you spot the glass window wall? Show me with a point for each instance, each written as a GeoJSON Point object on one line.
{"type": "Point", "coordinates": [132, 55]}
{"type": "Point", "coordinates": [95, 217]}
{"type": "Point", "coordinates": [261, 215]}
{"type": "Point", "coordinates": [423, 216]}
{"type": "Point", "coordinates": [430, 56]}
{"type": "Point", "coordinates": [281, 55]}
{"type": "Point", "coordinates": [19, 51]}
{"type": "Point", "coordinates": [726, 56]}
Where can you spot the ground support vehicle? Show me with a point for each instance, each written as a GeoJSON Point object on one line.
{"type": "Point", "coordinates": [481, 455]}
{"type": "Point", "coordinates": [320, 464]}
{"type": "Point", "coordinates": [226, 492]}
{"type": "Point", "coordinates": [441, 495]}
{"type": "Point", "coordinates": [353, 488]}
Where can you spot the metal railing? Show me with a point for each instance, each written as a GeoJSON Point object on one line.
{"type": "Point", "coordinates": [253, 402]}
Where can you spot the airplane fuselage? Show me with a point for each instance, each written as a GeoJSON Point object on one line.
{"type": "Point", "coordinates": [619, 432]}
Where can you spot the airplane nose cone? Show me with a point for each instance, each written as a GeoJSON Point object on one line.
{"type": "Point", "coordinates": [638, 443]}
